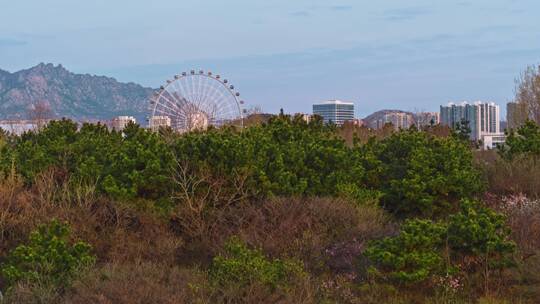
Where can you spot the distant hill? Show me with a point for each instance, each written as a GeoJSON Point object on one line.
{"type": "Point", "coordinates": [70, 95]}
{"type": "Point", "coordinates": [371, 120]}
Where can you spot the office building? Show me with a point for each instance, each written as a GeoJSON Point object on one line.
{"type": "Point", "coordinates": [157, 122]}
{"type": "Point", "coordinates": [120, 122]}
{"type": "Point", "coordinates": [334, 111]}
{"type": "Point", "coordinates": [483, 118]}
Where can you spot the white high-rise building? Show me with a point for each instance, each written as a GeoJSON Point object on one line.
{"type": "Point", "coordinates": [334, 111]}
{"type": "Point", "coordinates": [483, 118]}
{"type": "Point", "coordinates": [120, 122]}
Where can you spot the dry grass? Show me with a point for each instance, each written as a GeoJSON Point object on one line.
{"type": "Point", "coordinates": [116, 232]}
{"type": "Point", "coordinates": [507, 177]}
{"type": "Point", "coordinates": [138, 283]}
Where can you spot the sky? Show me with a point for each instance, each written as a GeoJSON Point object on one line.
{"type": "Point", "coordinates": [392, 54]}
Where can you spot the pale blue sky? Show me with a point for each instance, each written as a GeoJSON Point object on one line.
{"type": "Point", "coordinates": [410, 55]}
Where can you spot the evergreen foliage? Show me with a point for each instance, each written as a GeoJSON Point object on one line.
{"type": "Point", "coordinates": [48, 258]}
{"type": "Point", "coordinates": [241, 266]}
{"type": "Point", "coordinates": [419, 174]}
{"type": "Point", "coordinates": [524, 140]}
{"type": "Point", "coordinates": [474, 239]}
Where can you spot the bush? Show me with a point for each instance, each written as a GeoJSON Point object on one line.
{"type": "Point", "coordinates": [242, 266]}
{"type": "Point", "coordinates": [412, 256]}
{"type": "Point", "coordinates": [474, 240]}
{"type": "Point", "coordinates": [480, 234]}
{"type": "Point", "coordinates": [47, 258]}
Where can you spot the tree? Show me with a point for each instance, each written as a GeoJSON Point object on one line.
{"type": "Point", "coordinates": [40, 113]}
{"type": "Point", "coordinates": [524, 140]}
{"type": "Point", "coordinates": [420, 175]}
{"type": "Point", "coordinates": [528, 91]}
{"type": "Point", "coordinates": [480, 241]}
{"type": "Point", "coordinates": [462, 130]}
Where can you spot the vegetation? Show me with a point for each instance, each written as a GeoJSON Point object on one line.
{"type": "Point", "coordinates": [46, 258]}
{"type": "Point", "coordinates": [528, 94]}
{"type": "Point", "coordinates": [284, 211]}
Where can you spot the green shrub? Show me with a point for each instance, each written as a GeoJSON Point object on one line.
{"type": "Point", "coordinates": [48, 257]}
{"type": "Point", "coordinates": [480, 236]}
{"type": "Point", "coordinates": [473, 240]}
{"type": "Point", "coordinates": [413, 255]}
{"type": "Point", "coordinates": [242, 266]}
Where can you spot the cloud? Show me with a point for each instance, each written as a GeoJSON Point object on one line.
{"type": "Point", "coordinates": [405, 14]}
{"type": "Point", "coordinates": [341, 7]}
{"type": "Point", "coordinates": [310, 10]}
{"type": "Point", "coordinates": [304, 13]}
{"type": "Point", "coordinates": [7, 42]}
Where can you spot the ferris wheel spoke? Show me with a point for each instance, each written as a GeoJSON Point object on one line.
{"type": "Point", "coordinates": [192, 89]}
{"type": "Point", "coordinates": [208, 90]}
{"type": "Point", "coordinates": [177, 94]}
{"type": "Point", "coordinates": [202, 89]}
{"type": "Point", "coordinates": [223, 96]}
{"type": "Point", "coordinates": [174, 103]}
{"type": "Point", "coordinates": [198, 90]}
{"type": "Point", "coordinates": [184, 91]}
{"type": "Point", "coordinates": [178, 99]}
{"type": "Point", "coordinates": [213, 93]}
{"type": "Point", "coordinates": [168, 112]}
{"type": "Point", "coordinates": [175, 109]}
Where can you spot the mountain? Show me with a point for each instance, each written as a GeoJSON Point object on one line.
{"type": "Point", "coordinates": [76, 96]}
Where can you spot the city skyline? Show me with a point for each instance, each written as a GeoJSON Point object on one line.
{"type": "Point", "coordinates": [292, 54]}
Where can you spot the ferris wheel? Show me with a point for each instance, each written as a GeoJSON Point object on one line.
{"type": "Point", "coordinates": [196, 100]}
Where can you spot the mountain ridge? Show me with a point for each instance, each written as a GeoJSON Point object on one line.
{"type": "Point", "coordinates": [67, 94]}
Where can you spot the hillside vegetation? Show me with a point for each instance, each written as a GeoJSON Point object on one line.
{"type": "Point", "coordinates": [281, 212]}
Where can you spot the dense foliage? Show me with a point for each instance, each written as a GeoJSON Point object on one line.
{"type": "Point", "coordinates": [413, 255]}
{"type": "Point", "coordinates": [412, 172]}
{"type": "Point", "coordinates": [326, 219]}
{"type": "Point", "coordinates": [48, 258]}
{"type": "Point", "coordinates": [241, 266]}
{"type": "Point", "coordinates": [474, 239]}
{"type": "Point", "coordinates": [135, 163]}
{"type": "Point", "coordinates": [420, 174]}
{"type": "Point", "coordinates": [524, 140]}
